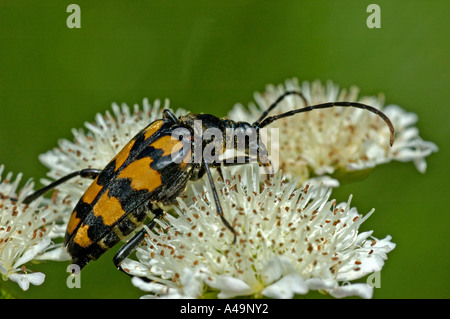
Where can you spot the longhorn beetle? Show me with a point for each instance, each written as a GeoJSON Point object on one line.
{"type": "Point", "coordinates": [152, 169]}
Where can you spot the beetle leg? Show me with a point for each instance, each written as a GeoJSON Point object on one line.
{"type": "Point", "coordinates": [237, 160]}
{"type": "Point", "coordinates": [91, 173]}
{"type": "Point", "coordinates": [131, 245]}
{"type": "Point", "coordinates": [241, 160]}
{"type": "Point", "coordinates": [217, 201]}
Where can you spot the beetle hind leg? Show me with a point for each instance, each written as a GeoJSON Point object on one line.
{"type": "Point", "coordinates": [91, 173]}
{"type": "Point", "coordinates": [135, 241]}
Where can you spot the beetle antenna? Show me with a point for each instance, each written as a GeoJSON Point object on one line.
{"type": "Point", "coordinates": [280, 98]}
{"type": "Point", "coordinates": [270, 119]}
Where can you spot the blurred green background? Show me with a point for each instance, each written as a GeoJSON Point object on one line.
{"type": "Point", "coordinates": [208, 55]}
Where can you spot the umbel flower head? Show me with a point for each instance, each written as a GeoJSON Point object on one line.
{"type": "Point", "coordinates": [25, 232]}
{"type": "Point", "coordinates": [290, 240]}
{"type": "Point", "coordinates": [337, 142]}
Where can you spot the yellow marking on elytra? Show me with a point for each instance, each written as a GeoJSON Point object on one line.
{"type": "Point", "coordinates": [122, 156]}
{"type": "Point", "coordinates": [167, 144]}
{"type": "Point", "coordinates": [82, 238]}
{"type": "Point", "coordinates": [141, 175]}
{"type": "Point", "coordinates": [109, 208]}
{"type": "Point", "coordinates": [74, 221]}
{"type": "Point", "coordinates": [92, 192]}
{"type": "Point", "coordinates": [153, 128]}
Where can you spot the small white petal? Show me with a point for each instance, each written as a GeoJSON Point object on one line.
{"type": "Point", "coordinates": [421, 165]}
{"type": "Point", "coordinates": [133, 267]}
{"type": "Point", "coordinates": [321, 284]}
{"type": "Point", "coordinates": [36, 278]}
{"type": "Point", "coordinates": [192, 284]}
{"type": "Point", "coordinates": [24, 280]}
{"type": "Point", "coordinates": [32, 252]}
{"type": "Point", "coordinates": [275, 268]}
{"type": "Point", "coordinates": [323, 180]}
{"type": "Point", "coordinates": [286, 287]}
{"type": "Point", "coordinates": [230, 287]}
{"type": "Point", "coordinates": [57, 254]}
{"type": "Point", "coordinates": [361, 290]}
{"type": "Point", "coordinates": [3, 269]}
{"type": "Point", "coordinates": [153, 287]}
{"type": "Point", "coordinates": [21, 280]}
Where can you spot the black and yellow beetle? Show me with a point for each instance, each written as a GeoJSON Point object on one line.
{"type": "Point", "coordinates": [153, 168]}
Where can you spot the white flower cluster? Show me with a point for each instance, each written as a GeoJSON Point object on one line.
{"type": "Point", "coordinates": [334, 142]}
{"type": "Point", "coordinates": [25, 231]}
{"type": "Point", "coordinates": [291, 239]}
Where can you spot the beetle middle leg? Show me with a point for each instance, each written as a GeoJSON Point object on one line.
{"type": "Point", "coordinates": [217, 201]}
{"type": "Point", "coordinates": [242, 160]}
